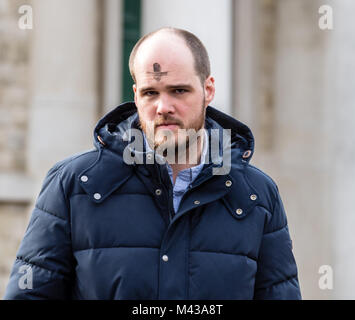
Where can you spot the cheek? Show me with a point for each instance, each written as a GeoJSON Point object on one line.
{"type": "Point", "coordinates": [193, 108]}
{"type": "Point", "coordinates": [145, 113]}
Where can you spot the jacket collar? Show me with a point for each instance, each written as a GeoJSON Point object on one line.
{"type": "Point", "coordinates": [109, 171]}
{"type": "Point", "coordinates": [238, 196]}
{"type": "Point", "coordinates": [110, 129]}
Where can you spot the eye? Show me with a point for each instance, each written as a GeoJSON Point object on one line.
{"type": "Point", "coordinates": [150, 93]}
{"type": "Point", "coordinates": [180, 91]}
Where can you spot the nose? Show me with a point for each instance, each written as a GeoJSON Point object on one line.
{"type": "Point", "coordinates": [164, 105]}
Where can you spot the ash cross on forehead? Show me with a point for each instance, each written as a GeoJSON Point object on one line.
{"type": "Point", "coordinates": [157, 72]}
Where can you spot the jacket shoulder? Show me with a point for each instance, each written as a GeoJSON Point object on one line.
{"type": "Point", "coordinates": [68, 170]}
{"type": "Point", "coordinates": [76, 162]}
{"type": "Point", "coordinates": [264, 185]}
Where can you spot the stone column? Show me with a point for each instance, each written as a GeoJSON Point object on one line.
{"type": "Point", "coordinates": [302, 157]}
{"type": "Point", "coordinates": [315, 139]}
{"type": "Point", "coordinates": [245, 55]}
{"type": "Point", "coordinates": [340, 101]}
{"type": "Point", "coordinates": [64, 82]}
{"type": "Point", "coordinates": [211, 21]}
{"type": "Point", "coordinates": [112, 57]}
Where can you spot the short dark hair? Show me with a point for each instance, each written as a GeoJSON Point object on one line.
{"type": "Point", "coordinates": [198, 50]}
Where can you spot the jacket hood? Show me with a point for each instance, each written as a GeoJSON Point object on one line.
{"type": "Point", "coordinates": [229, 174]}
{"type": "Point", "coordinates": [110, 129]}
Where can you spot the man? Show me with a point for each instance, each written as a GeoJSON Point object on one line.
{"type": "Point", "coordinates": [129, 220]}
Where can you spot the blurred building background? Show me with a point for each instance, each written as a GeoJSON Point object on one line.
{"type": "Point", "coordinates": [276, 70]}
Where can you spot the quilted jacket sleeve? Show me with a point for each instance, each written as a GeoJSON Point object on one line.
{"type": "Point", "coordinates": [277, 271]}
{"type": "Point", "coordinates": [43, 265]}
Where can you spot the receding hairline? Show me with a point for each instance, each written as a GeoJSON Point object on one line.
{"type": "Point", "coordinates": [149, 36]}
{"type": "Point", "coordinates": [182, 34]}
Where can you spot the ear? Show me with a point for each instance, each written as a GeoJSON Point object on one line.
{"type": "Point", "coordinates": [135, 93]}
{"type": "Point", "coordinates": [209, 89]}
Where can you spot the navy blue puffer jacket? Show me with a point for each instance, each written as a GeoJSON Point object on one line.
{"type": "Point", "coordinates": [99, 229]}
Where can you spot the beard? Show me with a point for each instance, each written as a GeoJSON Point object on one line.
{"type": "Point", "coordinates": [183, 138]}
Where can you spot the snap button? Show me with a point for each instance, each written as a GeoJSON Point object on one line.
{"type": "Point", "coordinates": [196, 202]}
{"type": "Point", "coordinates": [165, 258]}
{"type": "Point", "coordinates": [84, 178]}
{"type": "Point", "coordinates": [239, 211]}
{"type": "Point", "coordinates": [253, 197]}
{"type": "Point", "coordinates": [149, 156]}
{"type": "Point", "coordinates": [158, 192]}
{"type": "Point", "coordinates": [228, 183]}
{"type": "Point", "coordinates": [97, 196]}
{"type": "Point", "coordinates": [246, 154]}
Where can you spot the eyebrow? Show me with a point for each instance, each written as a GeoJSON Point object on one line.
{"type": "Point", "coordinates": [182, 85]}
{"type": "Point", "coordinates": [175, 86]}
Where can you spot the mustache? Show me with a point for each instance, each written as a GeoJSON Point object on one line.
{"type": "Point", "coordinates": [167, 120]}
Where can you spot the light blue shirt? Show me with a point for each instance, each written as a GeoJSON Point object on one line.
{"type": "Point", "coordinates": [185, 177]}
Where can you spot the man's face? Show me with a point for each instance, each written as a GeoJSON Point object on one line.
{"type": "Point", "coordinates": [168, 93]}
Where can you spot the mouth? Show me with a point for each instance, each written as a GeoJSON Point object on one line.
{"type": "Point", "coordinates": [168, 126]}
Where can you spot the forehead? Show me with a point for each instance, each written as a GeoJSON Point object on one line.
{"type": "Point", "coordinates": [166, 57]}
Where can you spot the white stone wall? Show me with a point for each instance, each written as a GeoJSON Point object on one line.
{"type": "Point", "coordinates": [339, 113]}
{"type": "Point", "coordinates": [15, 45]}
{"type": "Point", "coordinates": [304, 133]}
{"type": "Point", "coordinates": [14, 87]}
{"type": "Point", "coordinates": [65, 81]}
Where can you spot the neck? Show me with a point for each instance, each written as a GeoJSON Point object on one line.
{"type": "Point", "coordinates": [186, 159]}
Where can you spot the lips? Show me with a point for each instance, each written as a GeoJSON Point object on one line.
{"type": "Point", "coordinates": [167, 125]}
